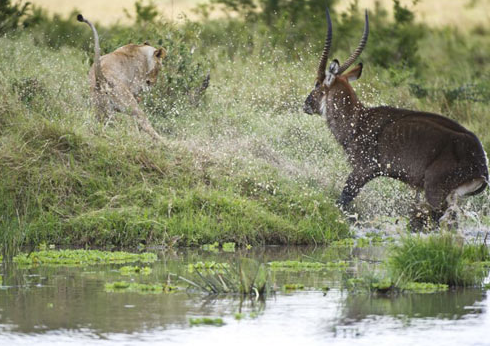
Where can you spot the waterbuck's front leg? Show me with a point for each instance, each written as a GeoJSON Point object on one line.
{"type": "Point", "coordinates": [356, 180]}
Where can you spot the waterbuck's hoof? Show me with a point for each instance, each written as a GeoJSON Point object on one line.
{"type": "Point", "coordinates": [349, 213]}
{"type": "Point", "coordinates": [418, 220]}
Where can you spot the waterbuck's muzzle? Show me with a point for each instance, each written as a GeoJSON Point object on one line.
{"type": "Point", "coordinates": [308, 106]}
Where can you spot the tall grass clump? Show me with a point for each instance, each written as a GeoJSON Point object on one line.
{"type": "Point", "coordinates": [439, 259]}
{"type": "Point", "coordinates": [245, 276]}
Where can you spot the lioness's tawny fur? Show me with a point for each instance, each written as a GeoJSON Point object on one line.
{"type": "Point", "coordinates": [117, 78]}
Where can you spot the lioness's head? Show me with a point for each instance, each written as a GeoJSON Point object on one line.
{"type": "Point", "coordinates": [155, 57]}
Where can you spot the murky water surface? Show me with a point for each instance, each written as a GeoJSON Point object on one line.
{"type": "Point", "coordinates": [69, 305]}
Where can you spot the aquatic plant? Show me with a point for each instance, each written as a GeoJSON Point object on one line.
{"type": "Point", "coordinates": [117, 285]}
{"type": "Point", "coordinates": [371, 282]}
{"type": "Point", "coordinates": [208, 266]}
{"type": "Point", "coordinates": [124, 286]}
{"type": "Point", "coordinates": [439, 259]}
{"type": "Point", "coordinates": [293, 287]}
{"type": "Point", "coordinates": [238, 316]}
{"type": "Point", "coordinates": [381, 286]}
{"type": "Point", "coordinates": [213, 247]}
{"type": "Point", "coordinates": [303, 265]}
{"type": "Point", "coordinates": [424, 287]}
{"type": "Point", "coordinates": [229, 247]}
{"type": "Point", "coordinates": [81, 257]}
{"type": "Point", "coordinates": [207, 321]}
{"type": "Point", "coordinates": [129, 270]}
{"type": "Point", "coordinates": [370, 239]}
{"type": "Point", "coordinates": [346, 242]}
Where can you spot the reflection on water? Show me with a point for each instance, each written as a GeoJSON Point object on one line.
{"type": "Point", "coordinates": [65, 305]}
{"type": "Point", "coordinates": [444, 305]}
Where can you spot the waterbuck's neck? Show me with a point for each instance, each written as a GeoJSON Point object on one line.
{"type": "Point", "coordinates": [343, 111]}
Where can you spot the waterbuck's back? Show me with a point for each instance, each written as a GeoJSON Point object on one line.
{"type": "Point", "coordinates": [412, 145]}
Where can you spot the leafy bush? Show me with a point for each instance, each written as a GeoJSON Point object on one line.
{"type": "Point", "coordinates": [392, 42]}
{"type": "Point", "coordinates": [272, 11]}
{"type": "Point", "coordinates": [185, 74]}
{"type": "Point", "coordinates": [12, 15]}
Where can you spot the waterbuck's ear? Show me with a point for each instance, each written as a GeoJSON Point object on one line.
{"type": "Point", "coordinates": [355, 73]}
{"type": "Point", "coordinates": [160, 53]}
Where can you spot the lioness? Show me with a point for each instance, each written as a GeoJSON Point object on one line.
{"type": "Point", "coordinates": [117, 78]}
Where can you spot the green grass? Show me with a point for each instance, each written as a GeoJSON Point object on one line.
{"type": "Point", "coordinates": [438, 259]}
{"type": "Point", "coordinates": [67, 180]}
{"type": "Point", "coordinates": [246, 166]}
{"type": "Point", "coordinates": [386, 286]}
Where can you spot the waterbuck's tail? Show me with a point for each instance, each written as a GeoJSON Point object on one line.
{"type": "Point", "coordinates": [482, 187]}
{"type": "Point", "coordinates": [98, 70]}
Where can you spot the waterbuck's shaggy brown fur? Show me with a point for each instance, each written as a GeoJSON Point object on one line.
{"type": "Point", "coordinates": [427, 151]}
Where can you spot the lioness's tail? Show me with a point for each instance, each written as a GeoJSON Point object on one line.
{"type": "Point", "coordinates": [98, 70]}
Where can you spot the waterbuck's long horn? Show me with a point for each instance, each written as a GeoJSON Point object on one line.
{"type": "Point", "coordinates": [326, 49]}
{"type": "Point", "coordinates": [359, 48]}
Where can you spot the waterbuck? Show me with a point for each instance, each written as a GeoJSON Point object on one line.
{"type": "Point", "coordinates": [427, 151]}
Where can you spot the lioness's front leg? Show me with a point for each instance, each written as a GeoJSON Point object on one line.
{"type": "Point", "coordinates": [128, 103]}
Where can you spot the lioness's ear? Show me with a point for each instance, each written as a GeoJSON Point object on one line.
{"type": "Point", "coordinates": [160, 53]}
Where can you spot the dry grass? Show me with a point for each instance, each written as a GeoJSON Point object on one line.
{"type": "Point", "coordinates": [112, 11]}
{"type": "Point", "coordinates": [460, 13]}
{"type": "Point", "coordinates": [437, 13]}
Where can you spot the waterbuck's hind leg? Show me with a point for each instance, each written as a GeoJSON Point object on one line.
{"type": "Point", "coordinates": [418, 215]}
{"type": "Point", "coordinates": [437, 204]}
{"type": "Point", "coordinates": [453, 210]}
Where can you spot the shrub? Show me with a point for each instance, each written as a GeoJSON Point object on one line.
{"type": "Point", "coordinates": [393, 42]}
{"type": "Point", "coordinates": [12, 15]}
{"type": "Point", "coordinates": [272, 11]}
{"type": "Point", "coordinates": [440, 259]}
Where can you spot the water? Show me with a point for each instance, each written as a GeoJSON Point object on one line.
{"type": "Point", "coordinates": [60, 305]}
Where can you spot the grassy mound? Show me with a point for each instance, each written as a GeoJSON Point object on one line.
{"type": "Point", "coordinates": [68, 180]}
{"type": "Point", "coordinates": [240, 164]}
